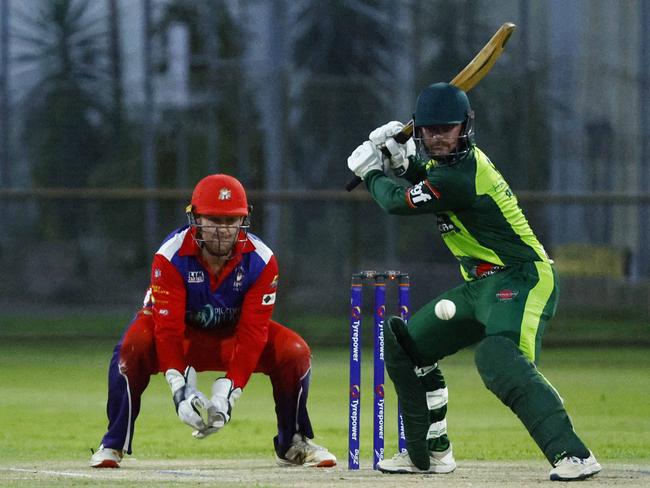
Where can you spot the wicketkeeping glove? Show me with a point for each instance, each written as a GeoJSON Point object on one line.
{"type": "Point", "coordinates": [189, 402]}
{"type": "Point", "coordinates": [224, 396]}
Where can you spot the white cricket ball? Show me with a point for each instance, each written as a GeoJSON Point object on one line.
{"type": "Point", "coordinates": [445, 309]}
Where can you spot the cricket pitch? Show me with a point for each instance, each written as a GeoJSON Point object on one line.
{"type": "Point", "coordinates": [264, 473]}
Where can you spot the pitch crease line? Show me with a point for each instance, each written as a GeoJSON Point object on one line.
{"type": "Point", "coordinates": [57, 473]}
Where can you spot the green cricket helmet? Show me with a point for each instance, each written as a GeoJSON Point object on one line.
{"type": "Point", "coordinates": [444, 104]}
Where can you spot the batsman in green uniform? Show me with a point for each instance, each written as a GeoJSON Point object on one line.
{"type": "Point", "coordinates": [509, 294]}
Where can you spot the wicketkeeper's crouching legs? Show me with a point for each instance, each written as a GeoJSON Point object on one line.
{"type": "Point", "coordinates": [131, 367]}
{"type": "Point", "coordinates": [286, 359]}
{"type": "Point", "coordinates": [287, 362]}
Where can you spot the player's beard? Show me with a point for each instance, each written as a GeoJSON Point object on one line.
{"type": "Point", "coordinates": [441, 146]}
{"type": "Point", "coordinates": [220, 247]}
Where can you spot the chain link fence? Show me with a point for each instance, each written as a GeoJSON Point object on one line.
{"type": "Point", "coordinates": [324, 236]}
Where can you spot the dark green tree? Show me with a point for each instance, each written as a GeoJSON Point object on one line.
{"type": "Point", "coordinates": [340, 59]}
{"type": "Point", "coordinates": [510, 103]}
{"type": "Point", "coordinates": [215, 131]}
{"type": "Point", "coordinates": [511, 118]}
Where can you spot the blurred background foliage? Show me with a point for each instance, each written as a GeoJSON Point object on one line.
{"type": "Point", "coordinates": [151, 95]}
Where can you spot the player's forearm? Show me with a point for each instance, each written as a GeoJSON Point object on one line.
{"type": "Point", "coordinates": [390, 196]}
{"type": "Point", "coordinates": [170, 354]}
{"type": "Point", "coordinates": [168, 309]}
{"type": "Point", "coordinates": [248, 349]}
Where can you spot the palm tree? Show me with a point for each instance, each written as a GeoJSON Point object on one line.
{"type": "Point", "coordinates": [62, 44]}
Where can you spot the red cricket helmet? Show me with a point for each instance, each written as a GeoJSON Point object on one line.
{"type": "Point", "coordinates": [219, 195]}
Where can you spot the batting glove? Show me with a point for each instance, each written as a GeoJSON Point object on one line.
{"type": "Point", "coordinates": [382, 137]}
{"type": "Point", "coordinates": [364, 159]}
{"type": "Point", "coordinates": [400, 154]}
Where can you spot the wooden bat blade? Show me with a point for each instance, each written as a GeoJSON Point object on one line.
{"type": "Point", "coordinates": [467, 79]}
{"type": "Point", "coordinates": [484, 60]}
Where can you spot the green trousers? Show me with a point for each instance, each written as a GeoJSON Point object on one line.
{"type": "Point", "coordinates": [505, 314]}
{"type": "Point", "coordinates": [515, 303]}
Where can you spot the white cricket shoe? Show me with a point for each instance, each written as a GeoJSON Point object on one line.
{"type": "Point", "coordinates": [572, 468]}
{"type": "Point", "coordinates": [105, 457]}
{"type": "Point", "coordinates": [303, 452]}
{"type": "Point", "coordinates": [439, 463]}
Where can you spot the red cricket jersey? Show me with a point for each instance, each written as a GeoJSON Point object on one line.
{"type": "Point", "coordinates": [183, 293]}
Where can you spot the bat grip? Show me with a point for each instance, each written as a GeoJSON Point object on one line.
{"type": "Point", "coordinates": [353, 183]}
{"type": "Point", "coordinates": [402, 137]}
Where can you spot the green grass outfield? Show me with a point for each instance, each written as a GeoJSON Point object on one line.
{"type": "Point", "coordinates": [52, 407]}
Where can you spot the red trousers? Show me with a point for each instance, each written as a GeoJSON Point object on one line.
{"type": "Point", "coordinates": [286, 359]}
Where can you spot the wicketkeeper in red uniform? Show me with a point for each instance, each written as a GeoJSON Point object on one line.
{"type": "Point", "coordinates": [208, 308]}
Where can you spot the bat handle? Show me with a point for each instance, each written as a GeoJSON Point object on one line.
{"type": "Point", "coordinates": [353, 183]}
{"type": "Point", "coordinates": [405, 134]}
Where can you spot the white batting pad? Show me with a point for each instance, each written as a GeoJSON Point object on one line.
{"type": "Point", "coordinates": [437, 398]}
{"type": "Point", "coordinates": [437, 429]}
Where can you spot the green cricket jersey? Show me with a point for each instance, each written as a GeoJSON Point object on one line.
{"type": "Point", "coordinates": [479, 217]}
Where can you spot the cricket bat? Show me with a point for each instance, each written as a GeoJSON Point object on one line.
{"type": "Point", "coordinates": [467, 79]}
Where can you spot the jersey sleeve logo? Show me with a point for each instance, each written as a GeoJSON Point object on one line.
{"type": "Point", "coordinates": [268, 299]}
{"type": "Point", "coordinates": [274, 282]}
{"type": "Point", "coordinates": [420, 194]}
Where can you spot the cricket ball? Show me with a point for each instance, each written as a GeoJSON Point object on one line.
{"type": "Point", "coordinates": [445, 309]}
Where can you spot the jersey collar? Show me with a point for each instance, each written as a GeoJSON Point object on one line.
{"type": "Point", "coordinates": [191, 248]}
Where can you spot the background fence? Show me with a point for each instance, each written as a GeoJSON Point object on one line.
{"type": "Point", "coordinates": [103, 267]}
